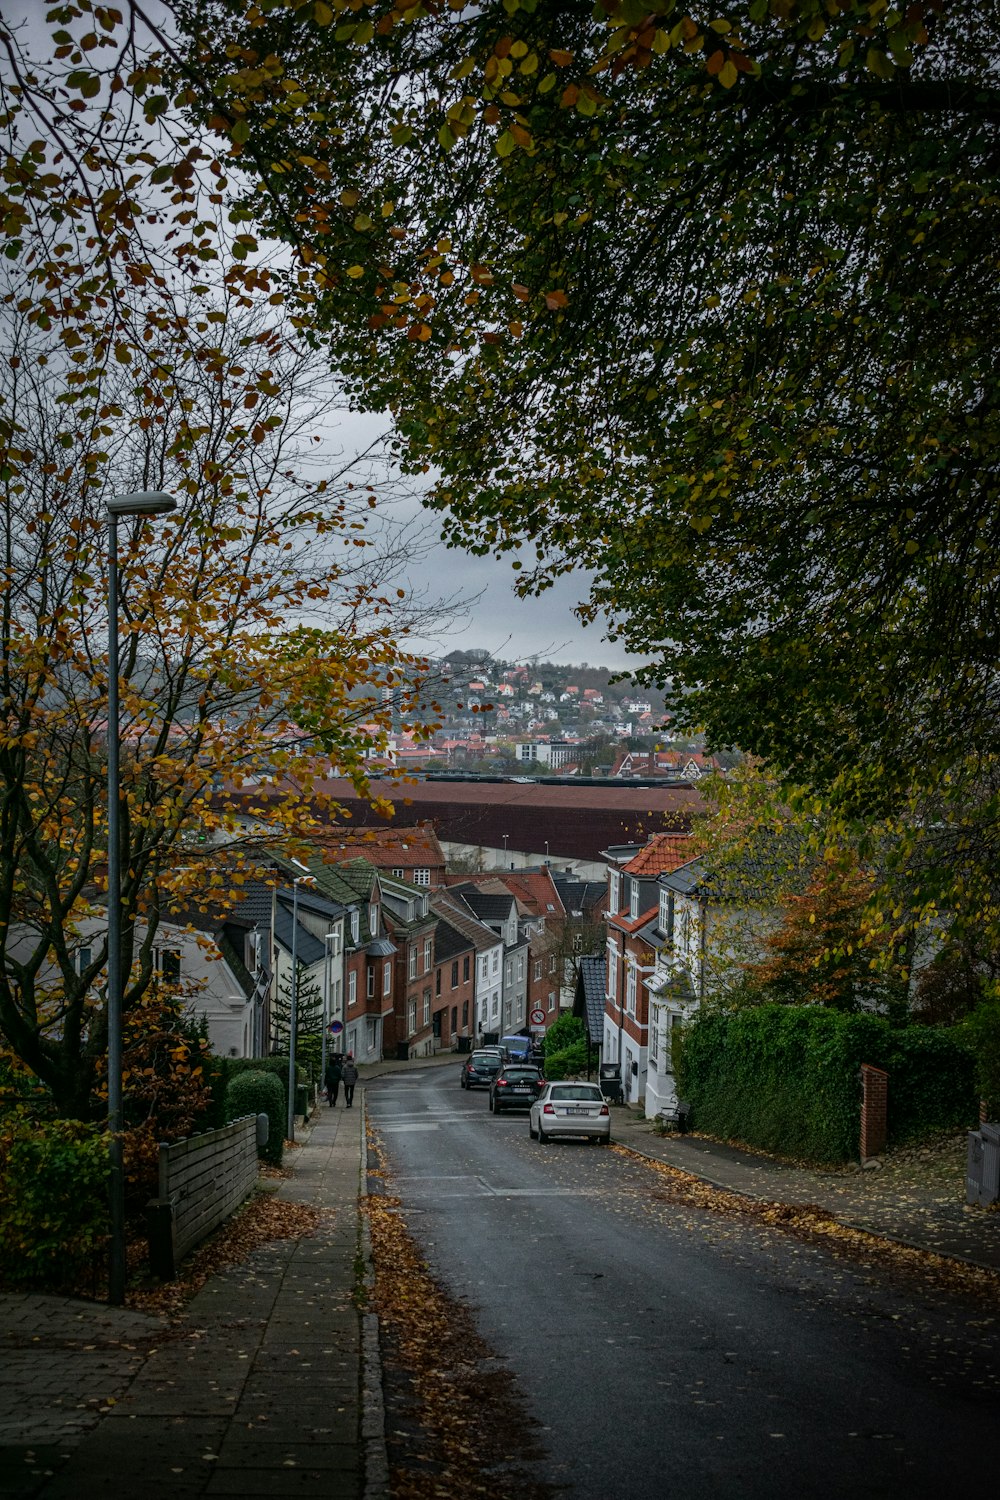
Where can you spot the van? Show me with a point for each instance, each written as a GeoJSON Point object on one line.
{"type": "Point", "coordinates": [516, 1048]}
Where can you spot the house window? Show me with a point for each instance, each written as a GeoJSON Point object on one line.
{"type": "Point", "coordinates": [465, 1015]}
{"type": "Point", "coordinates": [454, 1019]}
{"type": "Point", "coordinates": [352, 990]}
{"type": "Point", "coordinates": [427, 1007]}
{"type": "Point", "coordinates": [612, 974]}
{"type": "Point", "coordinates": [372, 1033]}
{"type": "Point", "coordinates": [654, 1041]}
{"type": "Point", "coordinates": [387, 979]}
{"type": "Point", "coordinates": [454, 974]}
{"type": "Point", "coordinates": [421, 877]}
{"type": "Point", "coordinates": [538, 968]}
{"type": "Point", "coordinates": [520, 966]}
{"type": "Point", "coordinates": [633, 900]}
{"type": "Point", "coordinates": [613, 884]}
{"type": "Point", "coordinates": [552, 963]}
{"type": "Point", "coordinates": [510, 973]}
{"type": "Point", "coordinates": [496, 961]}
{"type": "Point", "coordinates": [630, 989]}
{"type": "Point", "coordinates": [552, 999]}
{"type": "Point", "coordinates": [413, 961]}
{"type": "Point", "coordinates": [333, 939]}
{"type": "Point", "coordinates": [85, 955]}
{"type": "Point", "coordinates": [251, 948]}
{"type": "Point", "coordinates": [578, 942]}
{"type": "Point", "coordinates": [427, 955]}
{"type": "Point", "coordinates": [371, 979]}
{"type": "Point", "coordinates": [398, 874]}
{"type": "Point", "coordinates": [373, 920]}
{"type": "Point", "coordinates": [437, 982]}
{"type": "Point", "coordinates": [411, 1017]}
{"type": "Point", "coordinates": [668, 1055]}
{"type": "Point", "coordinates": [168, 964]}
{"type": "Point", "coordinates": [355, 926]}
{"type": "Point", "coordinates": [663, 921]}
{"type": "Point", "coordinates": [486, 967]}
{"type": "Point", "coordinates": [465, 969]}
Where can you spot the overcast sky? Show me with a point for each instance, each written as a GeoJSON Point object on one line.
{"type": "Point", "coordinates": [501, 623]}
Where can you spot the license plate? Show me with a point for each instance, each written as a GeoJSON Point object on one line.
{"type": "Point", "coordinates": [521, 1088]}
{"type": "Point", "coordinates": [578, 1111]}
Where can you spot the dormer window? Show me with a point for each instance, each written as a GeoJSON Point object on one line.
{"type": "Point", "coordinates": [355, 926]}
{"type": "Point", "coordinates": [633, 900]}
{"type": "Point", "coordinates": [613, 891]}
{"type": "Point", "coordinates": [373, 919]}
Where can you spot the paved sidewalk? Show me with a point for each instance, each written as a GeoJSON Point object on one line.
{"type": "Point", "coordinates": [897, 1202]}
{"type": "Point", "coordinates": [267, 1385]}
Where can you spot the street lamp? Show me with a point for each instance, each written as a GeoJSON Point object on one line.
{"type": "Point", "coordinates": [141, 503]}
{"type": "Point", "coordinates": [293, 1010]}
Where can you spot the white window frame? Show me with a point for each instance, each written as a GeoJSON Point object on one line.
{"type": "Point", "coordinates": [428, 947]}
{"type": "Point", "coordinates": [630, 987]}
{"type": "Point", "coordinates": [633, 900]}
{"type": "Point", "coordinates": [387, 978]}
{"type": "Point", "coordinates": [421, 877]}
{"type": "Point", "coordinates": [412, 961]}
{"type": "Point", "coordinates": [538, 968]}
{"type": "Point", "coordinates": [614, 885]}
{"type": "Point", "coordinates": [352, 988]}
{"type": "Point", "coordinates": [355, 926]}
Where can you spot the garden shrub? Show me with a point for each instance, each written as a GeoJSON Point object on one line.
{"type": "Point", "coordinates": [53, 1200]}
{"type": "Point", "coordinates": [563, 1033]}
{"type": "Point", "coordinates": [787, 1078]}
{"type": "Point", "coordinates": [276, 1065]}
{"type": "Point", "coordinates": [260, 1093]}
{"type": "Point", "coordinates": [567, 1061]}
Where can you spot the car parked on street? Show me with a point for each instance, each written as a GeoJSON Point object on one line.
{"type": "Point", "coordinates": [517, 1048]}
{"type": "Point", "coordinates": [570, 1109]}
{"type": "Point", "coordinates": [480, 1067]}
{"type": "Point", "coordinates": [516, 1086]}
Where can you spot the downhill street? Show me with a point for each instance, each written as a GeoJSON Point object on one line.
{"type": "Point", "coordinates": [667, 1350]}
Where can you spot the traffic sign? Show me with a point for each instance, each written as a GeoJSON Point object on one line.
{"type": "Point", "coordinates": [537, 1016]}
{"type": "Point", "coordinates": [335, 1027]}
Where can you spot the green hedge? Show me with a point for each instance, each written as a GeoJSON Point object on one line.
{"type": "Point", "coordinates": [981, 1031]}
{"type": "Point", "coordinates": [53, 1200]}
{"type": "Point", "coordinates": [562, 1034]}
{"type": "Point", "coordinates": [260, 1093]}
{"type": "Point", "coordinates": [787, 1078]}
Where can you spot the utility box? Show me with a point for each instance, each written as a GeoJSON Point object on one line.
{"type": "Point", "coordinates": [982, 1170]}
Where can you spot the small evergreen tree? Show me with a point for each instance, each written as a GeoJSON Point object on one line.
{"type": "Point", "coordinates": [309, 1020]}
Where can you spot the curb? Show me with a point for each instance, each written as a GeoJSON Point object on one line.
{"type": "Point", "coordinates": [373, 1440]}
{"type": "Point", "coordinates": [875, 1234]}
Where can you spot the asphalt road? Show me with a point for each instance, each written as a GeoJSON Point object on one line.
{"type": "Point", "coordinates": [671, 1353]}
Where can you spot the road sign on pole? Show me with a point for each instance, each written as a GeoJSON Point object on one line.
{"type": "Point", "coordinates": [537, 1017]}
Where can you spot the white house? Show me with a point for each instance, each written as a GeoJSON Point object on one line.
{"type": "Point", "coordinates": [706, 922]}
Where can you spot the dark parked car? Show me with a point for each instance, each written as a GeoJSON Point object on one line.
{"type": "Point", "coordinates": [516, 1086]}
{"type": "Point", "coordinates": [480, 1068]}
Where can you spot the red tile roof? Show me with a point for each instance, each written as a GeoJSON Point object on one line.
{"type": "Point", "coordinates": [664, 852]}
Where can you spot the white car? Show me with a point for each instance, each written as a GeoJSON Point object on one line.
{"type": "Point", "coordinates": [570, 1109]}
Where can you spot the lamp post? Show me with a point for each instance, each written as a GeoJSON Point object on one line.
{"type": "Point", "coordinates": [140, 503]}
{"type": "Point", "coordinates": [293, 1009]}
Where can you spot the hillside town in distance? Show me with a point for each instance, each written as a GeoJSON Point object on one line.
{"type": "Point", "coordinates": [544, 718]}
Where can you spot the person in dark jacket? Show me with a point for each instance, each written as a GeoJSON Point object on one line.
{"type": "Point", "coordinates": [350, 1079]}
{"type": "Point", "coordinates": [332, 1079]}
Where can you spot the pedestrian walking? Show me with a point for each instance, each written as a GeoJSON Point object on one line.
{"type": "Point", "coordinates": [332, 1079]}
{"type": "Point", "coordinates": [350, 1079]}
